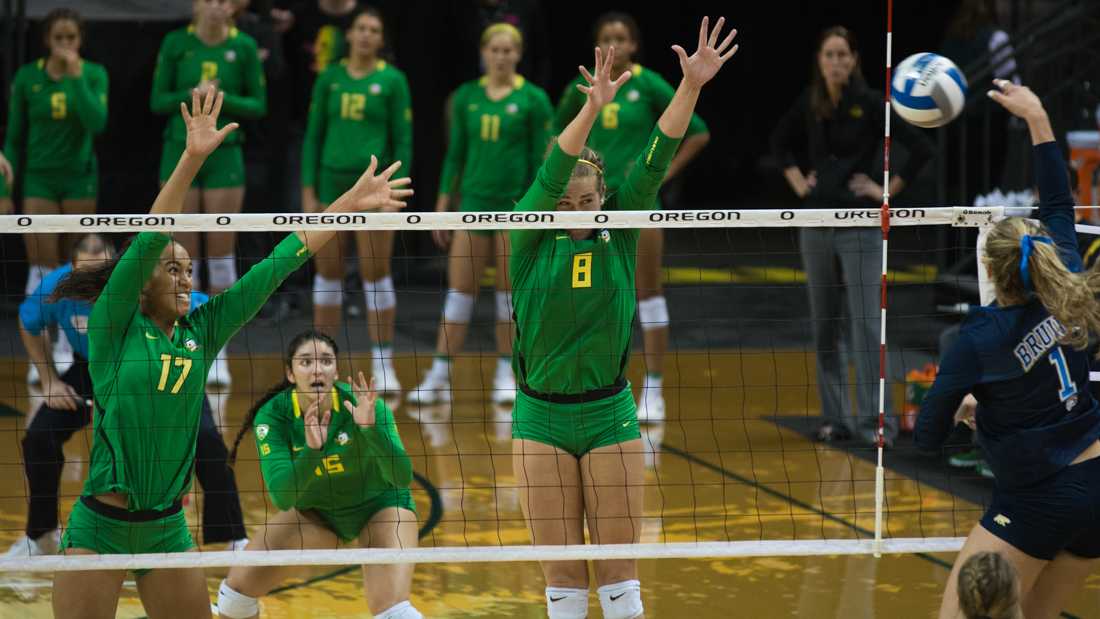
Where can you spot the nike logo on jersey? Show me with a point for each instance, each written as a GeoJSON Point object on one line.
{"type": "Point", "coordinates": [626, 424]}
{"type": "Point", "coordinates": [302, 251]}
{"type": "Point", "coordinates": [150, 336]}
{"type": "Point", "coordinates": [554, 599]}
{"type": "Point", "coordinates": [615, 597]}
{"type": "Point", "coordinates": [1002, 520]}
{"type": "Point", "coordinates": [298, 448]}
{"type": "Point", "coordinates": [561, 237]}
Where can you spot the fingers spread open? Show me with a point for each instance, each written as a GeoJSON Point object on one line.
{"type": "Point", "coordinates": [726, 41]}
{"type": "Point", "coordinates": [186, 115]}
{"type": "Point", "coordinates": [733, 50]}
{"type": "Point", "coordinates": [703, 32]}
{"type": "Point", "coordinates": [196, 102]}
{"type": "Point", "coordinates": [622, 79]}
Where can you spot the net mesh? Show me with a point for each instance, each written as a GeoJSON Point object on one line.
{"type": "Point", "coordinates": [733, 470]}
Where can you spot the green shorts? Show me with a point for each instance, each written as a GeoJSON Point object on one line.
{"type": "Point", "coordinates": [331, 184]}
{"type": "Point", "coordinates": [477, 204]}
{"type": "Point", "coordinates": [577, 428]}
{"type": "Point", "coordinates": [348, 522]}
{"type": "Point", "coordinates": [223, 169]}
{"type": "Point", "coordinates": [92, 528]}
{"type": "Point", "coordinates": [58, 185]}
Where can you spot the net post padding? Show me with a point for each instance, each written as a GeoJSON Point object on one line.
{"type": "Point", "coordinates": [484, 554]}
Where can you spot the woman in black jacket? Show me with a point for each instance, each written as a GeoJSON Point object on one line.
{"type": "Point", "coordinates": [836, 126]}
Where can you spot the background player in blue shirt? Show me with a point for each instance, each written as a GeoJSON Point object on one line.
{"type": "Point", "coordinates": [1024, 360]}
{"type": "Point", "coordinates": [67, 410]}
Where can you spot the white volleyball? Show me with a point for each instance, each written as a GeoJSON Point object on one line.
{"type": "Point", "coordinates": [928, 90]}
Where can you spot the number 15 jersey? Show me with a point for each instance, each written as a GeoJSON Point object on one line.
{"type": "Point", "coordinates": [574, 300]}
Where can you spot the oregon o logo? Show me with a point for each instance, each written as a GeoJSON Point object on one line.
{"type": "Point", "coordinates": [601, 218]}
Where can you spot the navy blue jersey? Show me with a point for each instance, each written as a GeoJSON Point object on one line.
{"type": "Point", "coordinates": [1035, 413]}
{"type": "Point", "coordinates": [69, 315]}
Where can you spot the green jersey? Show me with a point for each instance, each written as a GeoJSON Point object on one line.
{"type": "Point", "coordinates": [354, 465]}
{"type": "Point", "coordinates": [574, 300]}
{"type": "Point", "coordinates": [617, 134]}
{"type": "Point", "coordinates": [351, 119]}
{"type": "Point", "coordinates": [148, 387]}
{"type": "Point", "coordinates": [51, 122]}
{"type": "Point", "coordinates": [184, 62]}
{"type": "Point", "coordinates": [496, 146]}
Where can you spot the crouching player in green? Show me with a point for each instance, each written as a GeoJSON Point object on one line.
{"type": "Point", "coordinates": [334, 465]}
{"type": "Point", "coordinates": [148, 359]}
{"type": "Point", "coordinates": [575, 425]}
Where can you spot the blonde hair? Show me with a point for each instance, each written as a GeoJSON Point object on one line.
{"type": "Point", "coordinates": [1023, 260]}
{"type": "Point", "coordinates": [590, 164]}
{"type": "Point", "coordinates": [988, 588]}
{"type": "Point", "coordinates": [502, 28]}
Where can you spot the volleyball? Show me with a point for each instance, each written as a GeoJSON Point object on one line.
{"type": "Point", "coordinates": [928, 90]}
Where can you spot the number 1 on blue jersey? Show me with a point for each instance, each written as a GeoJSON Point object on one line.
{"type": "Point", "coordinates": [1058, 360]}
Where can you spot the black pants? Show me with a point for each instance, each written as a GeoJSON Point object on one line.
{"type": "Point", "coordinates": [43, 460]}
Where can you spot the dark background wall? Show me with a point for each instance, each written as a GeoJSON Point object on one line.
{"type": "Point", "coordinates": [777, 41]}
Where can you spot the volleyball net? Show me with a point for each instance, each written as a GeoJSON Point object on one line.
{"type": "Point", "coordinates": [733, 470]}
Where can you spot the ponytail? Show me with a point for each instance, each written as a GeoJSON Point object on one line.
{"type": "Point", "coordinates": [988, 588]}
{"type": "Point", "coordinates": [1023, 260]}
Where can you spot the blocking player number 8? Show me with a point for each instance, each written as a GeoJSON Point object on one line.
{"type": "Point", "coordinates": [1058, 360]}
{"type": "Point", "coordinates": [582, 270]}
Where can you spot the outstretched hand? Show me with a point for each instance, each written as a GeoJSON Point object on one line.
{"type": "Point", "coordinates": [375, 192]}
{"type": "Point", "coordinates": [704, 64]}
{"type": "Point", "coordinates": [203, 135]}
{"type": "Point", "coordinates": [601, 88]}
{"type": "Point", "coordinates": [1017, 99]}
{"type": "Point", "coordinates": [365, 397]}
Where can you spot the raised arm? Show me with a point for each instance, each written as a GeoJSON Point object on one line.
{"type": "Point", "coordinates": [1055, 197]}
{"type": "Point", "coordinates": [203, 137]}
{"type": "Point", "coordinates": [699, 68]}
{"type": "Point", "coordinates": [640, 188]}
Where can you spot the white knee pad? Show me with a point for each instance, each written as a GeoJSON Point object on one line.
{"type": "Point", "coordinates": [653, 313]}
{"type": "Point", "coordinates": [404, 610]}
{"type": "Point", "coordinates": [458, 307]}
{"type": "Point", "coordinates": [233, 605]}
{"type": "Point", "coordinates": [621, 600]}
{"type": "Point", "coordinates": [565, 603]}
{"type": "Point", "coordinates": [504, 306]}
{"type": "Point", "coordinates": [223, 271]}
{"type": "Point", "coordinates": [328, 292]}
{"type": "Point", "coordinates": [380, 295]}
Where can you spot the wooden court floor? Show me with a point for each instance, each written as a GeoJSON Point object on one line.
{"type": "Point", "coordinates": [719, 470]}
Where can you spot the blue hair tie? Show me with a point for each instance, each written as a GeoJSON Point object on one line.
{"type": "Point", "coordinates": [1027, 244]}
